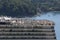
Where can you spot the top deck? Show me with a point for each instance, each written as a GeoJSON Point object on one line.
{"type": "Point", "coordinates": [26, 22]}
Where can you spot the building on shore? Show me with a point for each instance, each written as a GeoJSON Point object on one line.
{"type": "Point", "coordinates": [26, 29]}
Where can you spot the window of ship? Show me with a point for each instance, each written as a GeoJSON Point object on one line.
{"type": "Point", "coordinates": [37, 27]}
{"type": "Point", "coordinates": [41, 24]}
{"type": "Point", "coordinates": [21, 26]}
{"type": "Point", "coordinates": [54, 37]}
{"type": "Point", "coordinates": [54, 34]}
{"type": "Point", "coordinates": [49, 23]}
{"type": "Point", "coordinates": [52, 27]}
{"type": "Point", "coordinates": [53, 30]}
{"type": "Point", "coordinates": [28, 27]}
{"type": "Point", "coordinates": [4, 23]}
{"type": "Point", "coordinates": [53, 24]}
{"type": "Point", "coordinates": [43, 38]}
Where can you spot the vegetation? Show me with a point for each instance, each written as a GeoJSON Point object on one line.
{"type": "Point", "coordinates": [29, 8]}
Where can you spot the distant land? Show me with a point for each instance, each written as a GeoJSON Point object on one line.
{"type": "Point", "coordinates": [27, 8]}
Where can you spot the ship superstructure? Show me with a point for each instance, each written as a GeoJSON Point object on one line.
{"type": "Point", "coordinates": [26, 29]}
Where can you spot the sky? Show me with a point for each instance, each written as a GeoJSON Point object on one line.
{"type": "Point", "coordinates": [55, 18]}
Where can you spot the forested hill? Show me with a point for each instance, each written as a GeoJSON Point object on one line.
{"type": "Point", "coordinates": [29, 8]}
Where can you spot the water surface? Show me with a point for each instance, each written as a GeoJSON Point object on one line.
{"type": "Point", "coordinates": [54, 16]}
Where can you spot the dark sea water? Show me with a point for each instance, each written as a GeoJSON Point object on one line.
{"type": "Point", "coordinates": [53, 16]}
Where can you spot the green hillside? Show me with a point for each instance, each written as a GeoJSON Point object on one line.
{"type": "Point", "coordinates": [29, 8]}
